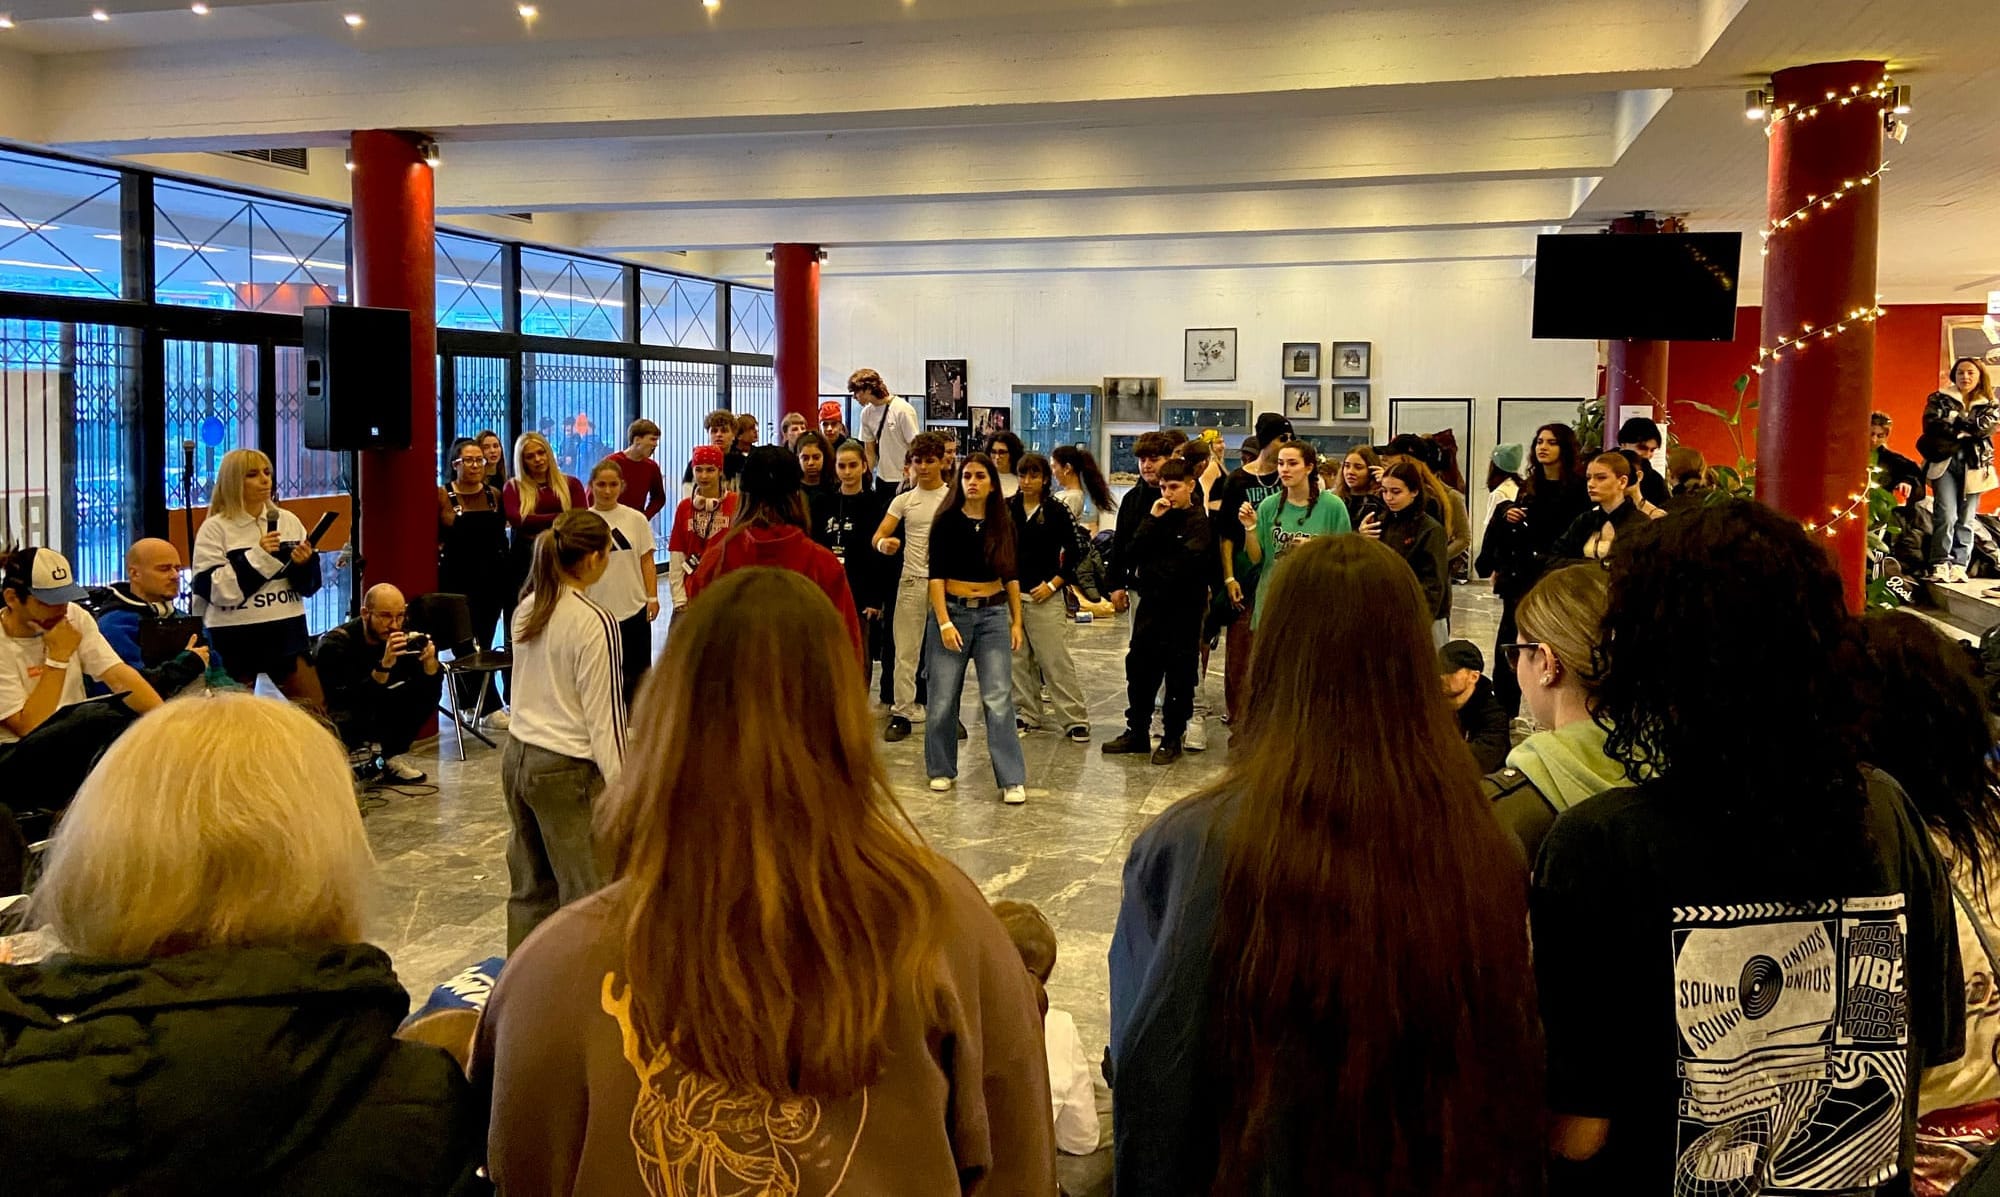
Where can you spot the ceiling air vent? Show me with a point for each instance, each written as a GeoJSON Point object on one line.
{"type": "Point", "coordinates": [285, 159]}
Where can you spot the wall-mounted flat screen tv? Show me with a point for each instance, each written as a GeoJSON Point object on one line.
{"type": "Point", "coordinates": [1637, 286]}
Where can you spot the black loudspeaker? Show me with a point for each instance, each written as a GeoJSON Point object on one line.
{"type": "Point", "coordinates": [357, 389]}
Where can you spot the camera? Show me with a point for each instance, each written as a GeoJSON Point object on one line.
{"type": "Point", "coordinates": [415, 643]}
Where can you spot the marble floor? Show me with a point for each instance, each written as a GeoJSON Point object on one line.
{"type": "Point", "coordinates": [442, 848]}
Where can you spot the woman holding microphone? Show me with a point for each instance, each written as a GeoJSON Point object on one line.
{"type": "Point", "coordinates": [568, 733]}
{"type": "Point", "coordinates": [253, 571]}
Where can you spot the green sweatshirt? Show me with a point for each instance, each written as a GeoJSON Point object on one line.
{"type": "Point", "coordinates": [1568, 764]}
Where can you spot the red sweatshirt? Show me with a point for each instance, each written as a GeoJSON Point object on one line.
{"type": "Point", "coordinates": [784, 547]}
{"type": "Point", "coordinates": [645, 493]}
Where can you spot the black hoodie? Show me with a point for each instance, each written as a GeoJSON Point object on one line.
{"type": "Point", "coordinates": [227, 1070]}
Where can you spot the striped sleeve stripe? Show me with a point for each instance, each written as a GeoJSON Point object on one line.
{"type": "Point", "coordinates": [614, 647]}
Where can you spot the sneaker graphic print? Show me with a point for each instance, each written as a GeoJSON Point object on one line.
{"type": "Point", "coordinates": [1794, 1032]}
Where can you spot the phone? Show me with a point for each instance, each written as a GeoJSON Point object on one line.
{"type": "Point", "coordinates": [320, 529]}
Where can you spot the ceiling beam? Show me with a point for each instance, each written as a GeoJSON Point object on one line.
{"type": "Point", "coordinates": [1230, 213]}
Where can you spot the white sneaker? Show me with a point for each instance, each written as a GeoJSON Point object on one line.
{"type": "Point", "coordinates": [941, 784]}
{"type": "Point", "coordinates": [497, 721]}
{"type": "Point", "coordinates": [1014, 795]}
{"type": "Point", "coordinates": [1958, 574]}
{"type": "Point", "coordinates": [1195, 738]}
{"type": "Point", "coordinates": [404, 768]}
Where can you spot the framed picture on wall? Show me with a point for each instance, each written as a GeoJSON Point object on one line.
{"type": "Point", "coordinates": [1967, 336]}
{"type": "Point", "coordinates": [1302, 403]}
{"type": "Point", "coordinates": [1209, 355]}
{"type": "Point", "coordinates": [945, 393]}
{"type": "Point", "coordinates": [1301, 360]}
{"type": "Point", "coordinates": [988, 420]}
{"type": "Point", "coordinates": [1131, 400]}
{"type": "Point", "coordinates": [1350, 401]}
{"type": "Point", "coordinates": [1353, 359]}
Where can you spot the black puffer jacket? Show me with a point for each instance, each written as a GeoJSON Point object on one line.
{"type": "Point", "coordinates": [242, 1071]}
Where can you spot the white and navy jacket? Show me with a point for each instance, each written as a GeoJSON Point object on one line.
{"type": "Point", "coordinates": [569, 684]}
{"type": "Point", "coordinates": [237, 584]}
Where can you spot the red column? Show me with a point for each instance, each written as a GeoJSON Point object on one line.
{"type": "Point", "coordinates": [395, 266]}
{"type": "Point", "coordinates": [1635, 372]}
{"type": "Point", "coordinates": [1812, 423]}
{"type": "Point", "coordinates": [795, 281]}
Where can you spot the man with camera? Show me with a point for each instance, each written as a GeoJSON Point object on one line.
{"type": "Point", "coordinates": [382, 683]}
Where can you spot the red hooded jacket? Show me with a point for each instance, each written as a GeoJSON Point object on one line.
{"type": "Point", "coordinates": [784, 547]}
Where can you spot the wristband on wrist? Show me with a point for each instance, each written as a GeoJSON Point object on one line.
{"type": "Point", "coordinates": [947, 626]}
{"type": "Point", "coordinates": [62, 664]}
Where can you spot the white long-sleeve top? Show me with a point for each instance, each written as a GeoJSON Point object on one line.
{"type": "Point", "coordinates": [568, 684]}
{"type": "Point", "coordinates": [237, 583]}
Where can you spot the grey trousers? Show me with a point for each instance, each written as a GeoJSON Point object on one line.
{"type": "Point", "coordinates": [551, 860]}
{"type": "Point", "coordinates": [1045, 643]}
{"type": "Point", "coordinates": [913, 610]}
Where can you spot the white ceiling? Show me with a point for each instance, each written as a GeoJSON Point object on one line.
{"type": "Point", "coordinates": [945, 136]}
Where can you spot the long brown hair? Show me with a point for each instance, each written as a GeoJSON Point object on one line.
{"type": "Point", "coordinates": [1985, 388]}
{"type": "Point", "coordinates": [999, 526]}
{"type": "Point", "coordinates": [777, 902]}
{"type": "Point", "coordinates": [1374, 1003]}
{"type": "Point", "coordinates": [1367, 455]}
{"type": "Point", "coordinates": [569, 541]}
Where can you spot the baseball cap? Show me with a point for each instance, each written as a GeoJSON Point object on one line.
{"type": "Point", "coordinates": [1460, 654]}
{"type": "Point", "coordinates": [1272, 428]}
{"type": "Point", "coordinates": [49, 577]}
{"type": "Point", "coordinates": [829, 410]}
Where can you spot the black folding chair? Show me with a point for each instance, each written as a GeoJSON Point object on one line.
{"type": "Point", "coordinates": [447, 618]}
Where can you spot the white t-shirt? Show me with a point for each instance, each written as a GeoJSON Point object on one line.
{"type": "Point", "coordinates": [623, 589]}
{"type": "Point", "coordinates": [21, 666]}
{"type": "Point", "coordinates": [1100, 521]}
{"type": "Point", "coordinates": [917, 508]}
{"type": "Point", "coordinates": [891, 426]}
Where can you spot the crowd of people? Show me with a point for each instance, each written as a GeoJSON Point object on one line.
{"type": "Point", "coordinates": [1696, 932]}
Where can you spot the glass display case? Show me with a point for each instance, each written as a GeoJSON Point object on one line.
{"type": "Point", "coordinates": [1057, 415]}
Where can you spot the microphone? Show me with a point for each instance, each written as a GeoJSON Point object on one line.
{"type": "Point", "coordinates": [187, 459]}
{"type": "Point", "coordinates": [270, 519]}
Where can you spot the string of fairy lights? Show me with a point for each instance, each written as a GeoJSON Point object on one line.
{"type": "Point", "coordinates": [1890, 101]}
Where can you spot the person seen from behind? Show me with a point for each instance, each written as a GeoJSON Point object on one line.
{"type": "Point", "coordinates": [568, 734]}
{"type": "Point", "coordinates": [1926, 724]}
{"type": "Point", "coordinates": [215, 1021]}
{"type": "Point", "coordinates": [1727, 925]}
{"type": "Point", "coordinates": [1315, 989]}
{"type": "Point", "coordinates": [1071, 1091]}
{"type": "Point", "coordinates": [844, 1004]}
{"type": "Point", "coordinates": [1564, 763]}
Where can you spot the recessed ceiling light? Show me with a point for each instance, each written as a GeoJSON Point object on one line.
{"type": "Point", "coordinates": [711, 5]}
{"type": "Point", "coordinates": [6, 22]}
{"type": "Point", "coordinates": [198, 8]}
{"type": "Point", "coordinates": [355, 20]}
{"type": "Point", "coordinates": [98, 14]}
{"type": "Point", "coordinates": [528, 12]}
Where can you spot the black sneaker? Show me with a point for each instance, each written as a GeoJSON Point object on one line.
{"type": "Point", "coordinates": [899, 729]}
{"type": "Point", "coordinates": [1080, 734]}
{"type": "Point", "coordinates": [1126, 745]}
{"type": "Point", "coordinates": [1167, 753]}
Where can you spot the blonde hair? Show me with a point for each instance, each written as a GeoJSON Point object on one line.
{"type": "Point", "coordinates": [530, 490]}
{"type": "Point", "coordinates": [226, 498]}
{"type": "Point", "coordinates": [1563, 614]}
{"type": "Point", "coordinates": [252, 838]}
{"type": "Point", "coordinates": [770, 848]}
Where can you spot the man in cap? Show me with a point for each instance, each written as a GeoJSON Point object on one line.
{"type": "Point", "coordinates": [1481, 719]}
{"type": "Point", "coordinates": [49, 737]}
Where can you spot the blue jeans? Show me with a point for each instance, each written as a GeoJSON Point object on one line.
{"type": "Point", "coordinates": [1952, 512]}
{"type": "Point", "coordinates": [987, 644]}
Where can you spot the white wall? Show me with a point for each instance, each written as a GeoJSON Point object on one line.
{"type": "Point", "coordinates": [1457, 330]}
{"type": "Point", "coordinates": [20, 115]}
